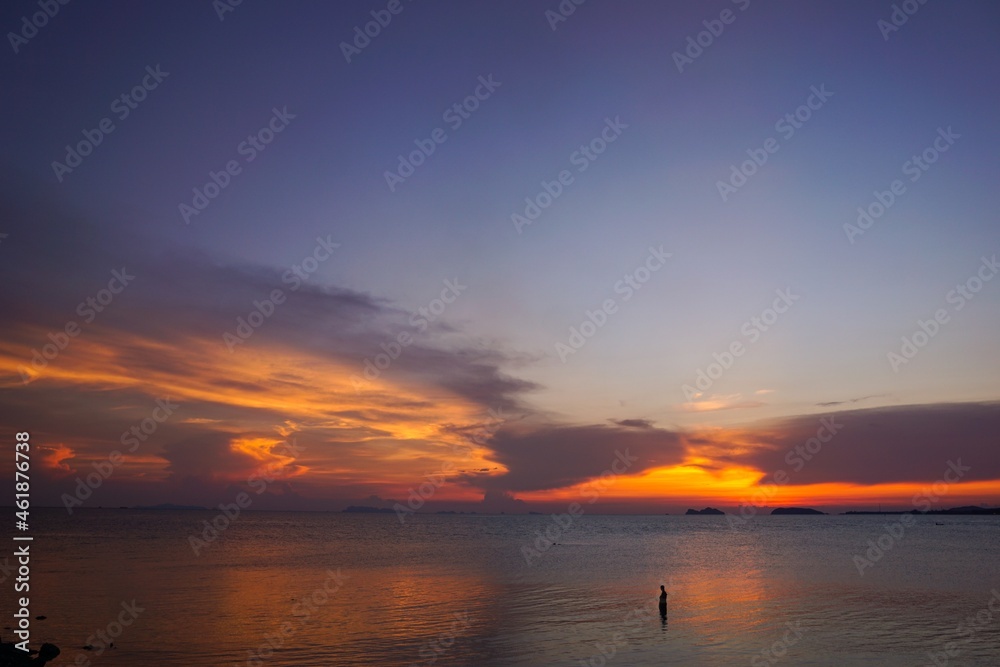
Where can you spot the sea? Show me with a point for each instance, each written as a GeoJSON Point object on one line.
{"type": "Point", "coordinates": [169, 588]}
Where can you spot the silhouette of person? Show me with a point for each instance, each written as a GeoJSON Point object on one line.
{"type": "Point", "coordinates": [663, 601]}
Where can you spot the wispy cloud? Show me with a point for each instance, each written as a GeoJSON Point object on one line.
{"type": "Point", "coordinates": [720, 402]}
{"type": "Point", "coordinates": [848, 401]}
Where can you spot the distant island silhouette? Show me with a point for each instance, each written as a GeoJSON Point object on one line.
{"type": "Point", "coordinates": [366, 509]}
{"type": "Point", "coordinates": [168, 506]}
{"type": "Point", "coordinates": [966, 510]}
{"type": "Point", "coordinates": [795, 510]}
{"type": "Point", "coordinates": [955, 511]}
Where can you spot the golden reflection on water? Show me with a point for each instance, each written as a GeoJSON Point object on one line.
{"type": "Point", "coordinates": [332, 600]}
{"type": "Point", "coordinates": [455, 590]}
{"type": "Point", "coordinates": [716, 591]}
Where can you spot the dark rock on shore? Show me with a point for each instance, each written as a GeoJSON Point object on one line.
{"type": "Point", "coordinates": [11, 656]}
{"type": "Point", "coordinates": [707, 510]}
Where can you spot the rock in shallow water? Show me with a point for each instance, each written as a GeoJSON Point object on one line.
{"type": "Point", "coordinates": [11, 656]}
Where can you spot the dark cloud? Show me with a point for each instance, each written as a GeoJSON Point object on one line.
{"type": "Point", "coordinates": [830, 404]}
{"type": "Point", "coordinates": [896, 444]}
{"type": "Point", "coordinates": [548, 456]}
{"type": "Point", "coordinates": [166, 328]}
{"type": "Point", "coordinates": [891, 444]}
{"type": "Point", "coordinates": [203, 457]}
{"type": "Point", "coordinates": [633, 423]}
{"type": "Point", "coordinates": [55, 258]}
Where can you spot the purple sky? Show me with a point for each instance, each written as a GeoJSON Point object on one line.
{"type": "Point", "coordinates": [595, 111]}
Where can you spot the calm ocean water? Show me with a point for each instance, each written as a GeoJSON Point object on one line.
{"type": "Point", "coordinates": [456, 590]}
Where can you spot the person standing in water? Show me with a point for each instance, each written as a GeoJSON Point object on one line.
{"type": "Point", "coordinates": [663, 601]}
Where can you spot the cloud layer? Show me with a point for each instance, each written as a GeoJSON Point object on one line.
{"type": "Point", "coordinates": [300, 376]}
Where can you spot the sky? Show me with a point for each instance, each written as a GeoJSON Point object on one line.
{"type": "Point", "coordinates": [502, 256]}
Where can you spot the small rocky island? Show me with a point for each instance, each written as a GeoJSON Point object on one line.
{"type": "Point", "coordinates": [795, 510]}
{"type": "Point", "coordinates": [707, 510]}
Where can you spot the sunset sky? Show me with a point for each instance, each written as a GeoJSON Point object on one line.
{"type": "Point", "coordinates": [533, 347]}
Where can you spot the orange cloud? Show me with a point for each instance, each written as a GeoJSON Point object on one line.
{"type": "Point", "coordinates": [386, 434]}
{"type": "Point", "coordinates": [384, 437]}
{"type": "Point", "coordinates": [54, 457]}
